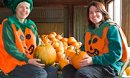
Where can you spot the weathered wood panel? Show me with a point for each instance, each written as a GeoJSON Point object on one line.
{"type": "Point", "coordinates": [126, 18]}
{"type": "Point", "coordinates": [47, 14]}
{"type": "Point", "coordinates": [80, 22]}
{"type": "Point", "coordinates": [46, 28]}
{"type": "Point", "coordinates": [4, 13]}
{"type": "Point", "coordinates": [40, 3]}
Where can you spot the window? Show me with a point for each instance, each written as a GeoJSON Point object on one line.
{"type": "Point", "coordinates": [110, 9]}
{"type": "Point", "coordinates": [115, 10]}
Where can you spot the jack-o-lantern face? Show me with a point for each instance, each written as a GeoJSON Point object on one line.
{"type": "Point", "coordinates": [94, 45]}
{"type": "Point", "coordinates": [30, 40]}
{"type": "Point", "coordinates": [95, 51]}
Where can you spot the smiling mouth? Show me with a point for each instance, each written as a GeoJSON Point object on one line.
{"type": "Point", "coordinates": [94, 18]}
{"type": "Point", "coordinates": [23, 14]}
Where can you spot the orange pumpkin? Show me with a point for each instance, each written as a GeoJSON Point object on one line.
{"type": "Point", "coordinates": [69, 53]}
{"type": "Point", "coordinates": [55, 44]}
{"type": "Point", "coordinates": [50, 36]}
{"type": "Point", "coordinates": [46, 53]}
{"type": "Point", "coordinates": [61, 47]}
{"type": "Point", "coordinates": [128, 71]}
{"type": "Point", "coordinates": [76, 44]}
{"type": "Point", "coordinates": [80, 44]}
{"type": "Point", "coordinates": [53, 39]}
{"type": "Point", "coordinates": [54, 33]}
{"type": "Point", "coordinates": [64, 39]}
{"type": "Point", "coordinates": [63, 63]}
{"type": "Point", "coordinates": [46, 40]}
{"type": "Point", "coordinates": [77, 58]}
{"type": "Point", "coordinates": [65, 44]}
{"type": "Point", "coordinates": [71, 47]}
{"type": "Point", "coordinates": [60, 55]}
{"type": "Point", "coordinates": [43, 36]}
{"type": "Point", "coordinates": [71, 40]}
{"type": "Point", "coordinates": [59, 37]}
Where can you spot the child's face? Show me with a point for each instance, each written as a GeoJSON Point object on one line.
{"type": "Point", "coordinates": [23, 10]}
{"type": "Point", "coordinates": [95, 15]}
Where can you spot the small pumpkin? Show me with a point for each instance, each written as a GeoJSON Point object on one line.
{"type": "Point", "coordinates": [59, 55]}
{"type": "Point", "coordinates": [128, 71]}
{"type": "Point", "coordinates": [63, 63]}
{"type": "Point", "coordinates": [76, 44]}
{"type": "Point", "coordinates": [46, 53]}
{"type": "Point", "coordinates": [77, 58]}
{"type": "Point", "coordinates": [71, 40]}
{"type": "Point", "coordinates": [59, 37]}
{"type": "Point", "coordinates": [69, 53]}
{"type": "Point", "coordinates": [55, 44]}
{"type": "Point", "coordinates": [54, 33]}
{"type": "Point", "coordinates": [50, 36]}
{"type": "Point", "coordinates": [64, 39]}
{"type": "Point", "coordinates": [45, 39]}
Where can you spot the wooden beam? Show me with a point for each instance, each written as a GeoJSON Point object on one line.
{"type": "Point", "coordinates": [60, 2]}
{"type": "Point", "coordinates": [70, 20]}
{"type": "Point", "coordinates": [39, 3]}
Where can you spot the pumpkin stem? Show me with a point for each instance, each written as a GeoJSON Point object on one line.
{"type": "Point", "coordinates": [42, 43]}
{"type": "Point", "coordinates": [62, 34]}
{"type": "Point", "coordinates": [76, 51]}
{"type": "Point", "coordinates": [46, 36]}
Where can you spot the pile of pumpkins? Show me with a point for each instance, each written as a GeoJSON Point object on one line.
{"type": "Point", "coordinates": [57, 49]}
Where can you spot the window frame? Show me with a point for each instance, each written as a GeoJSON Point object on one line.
{"type": "Point", "coordinates": [114, 13]}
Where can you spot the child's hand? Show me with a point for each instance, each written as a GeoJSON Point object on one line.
{"type": "Point", "coordinates": [86, 61]}
{"type": "Point", "coordinates": [36, 63]}
{"type": "Point", "coordinates": [69, 60]}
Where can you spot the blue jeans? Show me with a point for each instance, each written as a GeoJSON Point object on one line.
{"type": "Point", "coordinates": [31, 71]}
{"type": "Point", "coordinates": [51, 71]}
{"type": "Point", "coordinates": [92, 71]}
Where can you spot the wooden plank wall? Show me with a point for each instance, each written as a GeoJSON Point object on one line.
{"type": "Point", "coordinates": [46, 28]}
{"type": "Point", "coordinates": [47, 19]}
{"type": "Point", "coordinates": [48, 14]}
{"type": "Point", "coordinates": [4, 13]}
{"type": "Point", "coordinates": [126, 18]}
{"type": "Point", "coordinates": [80, 22]}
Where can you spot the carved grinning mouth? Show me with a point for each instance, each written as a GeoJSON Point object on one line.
{"type": "Point", "coordinates": [95, 52]}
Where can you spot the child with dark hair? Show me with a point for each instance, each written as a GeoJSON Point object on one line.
{"type": "Point", "coordinates": [102, 43]}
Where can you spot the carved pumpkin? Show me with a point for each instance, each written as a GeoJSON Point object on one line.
{"type": "Point", "coordinates": [46, 53]}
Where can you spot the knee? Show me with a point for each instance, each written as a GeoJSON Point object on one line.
{"type": "Point", "coordinates": [82, 74]}
{"type": "Point", "coordinates": [68, 68]}
{"type": "Point", "coordinates": [51, 68]}
{"type": "Point", "coordinates": [68, 71]}
{"type": "Point", "coordinates": [51, 71]}
{"type": "Point", "coordinates": [41, 74]}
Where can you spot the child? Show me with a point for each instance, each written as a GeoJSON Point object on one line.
{"type": "Point", "coordinates": [103, 44]}
{"type": "Point", "coordinates": [20, 38]}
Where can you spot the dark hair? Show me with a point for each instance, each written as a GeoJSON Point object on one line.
{"type": "Point", "coordinates": [101, 8]}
